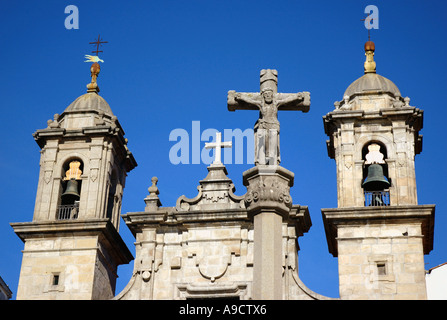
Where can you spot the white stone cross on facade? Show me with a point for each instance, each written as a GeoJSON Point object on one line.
{"type": "Point", "coordinates": [218, 145]}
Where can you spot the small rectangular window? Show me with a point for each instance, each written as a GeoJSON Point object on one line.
{"type": "Point", "coordinates": [55, 280]}
{"type": "Point", "coordinates": [381, 269]}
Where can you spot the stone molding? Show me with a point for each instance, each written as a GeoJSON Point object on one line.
{"type": "Point", "coordinates": [412, 116]}
{"type": "Point", "coordinates": [424, 214]}
{"type": "Point", "coordinates": [42, 229]}
{"type": "Point", "coordinates": [227, 290]}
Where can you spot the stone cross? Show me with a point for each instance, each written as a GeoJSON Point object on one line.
{"type": "Point", "coordinates": [268, 101]}
{"type": "Point", "coordinates": [218, 145]}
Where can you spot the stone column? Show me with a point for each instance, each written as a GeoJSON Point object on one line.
{"type": "Point", "coordinates": [268, 201]}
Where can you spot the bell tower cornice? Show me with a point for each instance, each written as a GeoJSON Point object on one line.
{"type": "Point", "coordinates": [409, 117]}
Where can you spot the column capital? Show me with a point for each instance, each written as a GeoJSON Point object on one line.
{"type": "Point", "coordinates": [268, 190]}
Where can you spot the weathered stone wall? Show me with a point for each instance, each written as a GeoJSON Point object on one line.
{"type": "Point", "coordinates": [203, 261]}
{"type": "Point", "coordinates": [381, 262]}
{"type": "Point", "coordinates": [71, 259]}
{"type": "Point", "coordinates": [381, 250]}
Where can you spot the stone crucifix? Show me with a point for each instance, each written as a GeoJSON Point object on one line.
{"type": "Point", "coordinates": [268, 101]}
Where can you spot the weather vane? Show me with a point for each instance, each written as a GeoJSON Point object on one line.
{"type": "Point", "coordinates": [369, 29]}
{"type": "Point", "coordinates": [98, 44]}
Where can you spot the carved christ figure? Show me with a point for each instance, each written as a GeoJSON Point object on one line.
{"type": "Point", "coordinates": [266, 128]}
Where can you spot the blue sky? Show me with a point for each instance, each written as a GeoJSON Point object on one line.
{"type": "Point", "coordinates": [169, 63]}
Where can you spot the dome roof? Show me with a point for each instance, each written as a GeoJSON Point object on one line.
{"type": "Point", "coordinates": [372, 83]}
{"type": "Point", "coordinates": [90, 101]}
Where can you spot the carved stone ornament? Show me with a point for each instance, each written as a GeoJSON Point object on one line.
{"type": "Point", "coordinates": [146, 275]}
{"type": "Point", "coordinates": [216, 192]}
{"type": "Point", "coordinates": [269, 190]}
{"type": "Point", "coordinates": [214, 263]}
{"type": "Point", "coordinates": [94, 174]}
{"type": "Point", "coordinates": [47, 176]}
{"type": "Point", "coordinates": [54, 123]}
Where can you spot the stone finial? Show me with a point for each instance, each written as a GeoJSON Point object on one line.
{"type": "Point", "coordinates": [407, 101]}
{"type": "Point", "coordinates": [94, 70]}
{"type": "Point", "coordinates": [337, 104]}
{"type": "Point", "coordinates": [398, 103]}
{"type": "Point", "coordinates": [346, 100]}
{"type": "Point", "coordinates": [153, 189]}
{"type": "Point", "coordinates": [152, 201]}
{"type": "Point", "coordinates": [54, 123]}
{"type": "Point", "coordinates": [370, 65]}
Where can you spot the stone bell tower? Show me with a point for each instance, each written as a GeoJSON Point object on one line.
{"type": "Point", "coordinates": [72, 246]}
{"type": "Point", "coordinates": [378, 232]}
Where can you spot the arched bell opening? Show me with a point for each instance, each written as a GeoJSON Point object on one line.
{"type": "Point", "coordinates": [376, 182]}
{"type": "Point", "coordinates": [374, 152]}
{"type": "Point", "coordinates": [71, 186]}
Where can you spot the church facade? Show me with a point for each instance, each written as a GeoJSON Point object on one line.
{"type": "Point", "coordinates": [217, 244]}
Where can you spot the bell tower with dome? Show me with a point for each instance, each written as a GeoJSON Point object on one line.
{"type": "Point", "coordinates": [378, 232]}
{"type": "Point", "coordinates": [72, 246]}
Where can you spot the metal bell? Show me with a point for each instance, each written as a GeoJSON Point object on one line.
{"type": "Point", "coordinates": [375, 181]}
{"type": "Point", "coordinates": [71, 193]}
